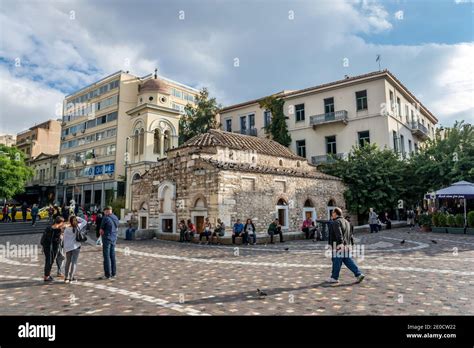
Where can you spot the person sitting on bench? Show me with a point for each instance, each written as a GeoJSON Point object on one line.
{"type": "Point", "coordinates": [275, 228]}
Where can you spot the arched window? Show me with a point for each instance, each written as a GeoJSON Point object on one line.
{"type": "Point", "coordinates": [167, 140]}
{"type": "Point", "coordinates": [142, 141]}
{"type": "Point", "coordinates": [135, 142]}
{"type": "Point", "coordinates": [136, 177]}
{"type": "Point", "coordinates": [281, 201]}
{"type": "Point", "coordinates": [281, 162]}
{"type": "Point", "coordinates": [157, 141]}
{"type": "Point", "coordinates": [308, 203]}
{"type": "Point", "coordinates": [253, 159]}
{"type": "Point", "coordinates": [331, 203]}
{"type": "Point", "coordinates": [298, 164]}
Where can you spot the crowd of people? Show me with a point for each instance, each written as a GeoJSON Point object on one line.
{"type": "Point", "coordinates": [247, 232]}
{"type": "Point", "coordinates": [63, 238]}
{"type": "Point", "coordinates": [9, 212]}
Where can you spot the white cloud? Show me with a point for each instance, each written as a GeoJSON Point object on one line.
{"type": "Point", "coordinates": [25, 102]}
{"type": "Point", "coordinates": [60, 55]}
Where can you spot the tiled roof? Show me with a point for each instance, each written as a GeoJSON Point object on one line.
{"type": "Point", "coordinates": [287, 171]}
{"type": "Point", "coordinates": [253, 101]}
{"type": "Point", "coordinates": [374, 74]}
{"type": "Point", "coordinates": [237, 141]}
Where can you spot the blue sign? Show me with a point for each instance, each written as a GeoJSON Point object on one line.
{"type": "Point", "coordinates": [89, 171]}
{"type": "Point", "coordinates": [98, 170]}
{"type": "Point", "coordinates": [109, 168]}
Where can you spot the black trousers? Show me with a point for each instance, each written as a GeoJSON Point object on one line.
{"type": "Point", "coordinates": [276, 232]}
{"type": "Point", "coordinates": [48, 260]}
{"type": "Point", "coordinates": [182, 235]}
{"type": "Point", "coordinates": [204, 234]}
{"type": "Point", "coordinates": [306, 232]}
{"type": "Point", "coordinates": [238, 234]}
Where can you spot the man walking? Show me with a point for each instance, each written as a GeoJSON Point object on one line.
{"type": "Point", "coordinates": [373, 221]}
{"type": "Point", "coordinates": [14, 213]}
{"type": "Point", "coordinates": [108, 231]}
{"type": "Point", "coordinates": [5, 213]}
{"type": "Point", "coordinates": [340, 240]}
{"type": "Point", "coordinates": [34, 214]}
{"type": "Point", "coordinates": [24, 210]}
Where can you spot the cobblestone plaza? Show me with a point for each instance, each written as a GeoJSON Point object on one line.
{"type": "Point", "coordinates": [428, 274]}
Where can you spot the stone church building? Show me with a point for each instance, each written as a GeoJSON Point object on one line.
{"type": "Point", "coordinates": [232, 176]}
{"type": "Point", "coordinates": [229, 176]}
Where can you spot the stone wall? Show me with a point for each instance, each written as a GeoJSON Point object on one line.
{"type": "Point", "coordinates": [255, 196]}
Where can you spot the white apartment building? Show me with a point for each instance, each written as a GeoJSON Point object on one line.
{"type": "Point", "coordinates": [8, 139]}
{"type": "Point", "coordinates": [97, 131]}
{"type": "Point", "coordinates": [325, 121]}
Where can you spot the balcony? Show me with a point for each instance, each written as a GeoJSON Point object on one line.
{"type": "Point", "coordinates": [329, 158]}
{"type": "Point", "coordinates": [419, 130]}
{"type": "Point", "coordinates": [251, 131]}
{"type": "Point", "coordinates": [330, 117]}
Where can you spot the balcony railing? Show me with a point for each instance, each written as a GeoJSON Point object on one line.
{"type": "Point", "coordinates": [329, 117]}
{"type": "Point", "coordinates": [419, 129]}
{"type": "Point", "coordinates": [329, 158]}
{"type": "Point", "coordinates": [251, 131]}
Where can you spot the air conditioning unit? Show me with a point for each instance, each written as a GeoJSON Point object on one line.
{"type": "Point", "coordinates": [63, 138]}
{"type": "Point", "coordinates": [82, 131]}
{"type": "Point", "coordinates": [74, 134]}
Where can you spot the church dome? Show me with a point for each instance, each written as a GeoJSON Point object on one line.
{"type": "Point", "coordinates": [154, 85]}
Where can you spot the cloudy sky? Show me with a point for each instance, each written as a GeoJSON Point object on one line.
{"type": "Point", "coordinates": [51, 48]}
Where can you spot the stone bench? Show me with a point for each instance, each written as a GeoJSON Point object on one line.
{"type": "Point", "coordinates": [262, 238]}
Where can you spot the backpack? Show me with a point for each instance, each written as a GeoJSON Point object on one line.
{"type": "Point", "coordinates": [47, 237]}
{"type": "Point", "coordinates": [80, 236]}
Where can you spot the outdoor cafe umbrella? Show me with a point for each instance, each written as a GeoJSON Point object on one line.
{"type": "Point", "coordinates": [460, 189]}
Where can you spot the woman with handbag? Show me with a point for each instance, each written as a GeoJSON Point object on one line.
{"type": "Point", "coordinates": [73, 236]}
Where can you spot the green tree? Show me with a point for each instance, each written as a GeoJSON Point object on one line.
{"type": "Point", "coordinates": [443, 160]}
{"type": "Point", "coordinates": [200, 118]}
{"type": "Point", "coordinates": [374, 178]}
{"type": "Point", "coordinates": [277, 127]}
{"type": "Point", "coordinates": [13, 172]}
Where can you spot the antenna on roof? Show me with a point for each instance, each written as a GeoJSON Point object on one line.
{"type": "Point", "coordinates": [156, 73]}
{"type": "Point", "coordinates": [378, 59]}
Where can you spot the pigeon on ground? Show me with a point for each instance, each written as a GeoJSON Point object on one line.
{"type": "Point", "coordinates": [261, 293]}
{"type": "Point", "coordinates": [287, 249]}
{"type": "Point", "coordinates": [434, 241]}
{"type": "Point", "coordinates": [402, 242]}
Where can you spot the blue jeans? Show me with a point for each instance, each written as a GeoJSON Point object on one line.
{"type": "Point", "coordinates": [337, 264]}
{"type": "Point", "coordinates": [108, 251]}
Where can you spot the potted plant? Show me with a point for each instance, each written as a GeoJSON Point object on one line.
{"type": "Point", "coordinates": [439, 223]}
{"type": "Point", "coordinates": [425, 222]}
{"type": "Point", "coordinates": [442, 223]}
{"type": "Point", "coordinates": [470, 222]}
{"type": "Point", "coordinates": [458, 224]}
{"type": "Point", "coordinates": [452, 225]}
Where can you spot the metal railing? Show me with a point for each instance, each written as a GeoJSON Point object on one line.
{"type": "Point", "coordinates": [251, 131]}
{"type": "Point", "coordinates": [329, 158]}
{"type": "Point", "coordinates": [417, 126]}
{"type": "Point", "coordinates": [340, 115]}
